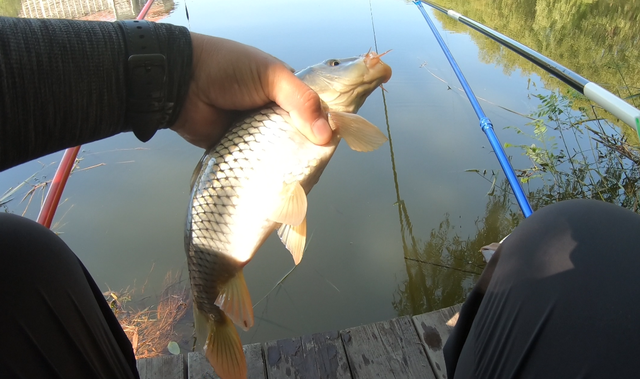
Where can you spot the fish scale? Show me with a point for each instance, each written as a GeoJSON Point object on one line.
{"type": "Point", "coordinates": [254, 181]}
{"type": "Point", "coordinates": [225, 169]}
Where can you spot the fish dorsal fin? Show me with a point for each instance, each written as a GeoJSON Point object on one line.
{"type": "Point", "coordinates": [224, 350]}
{"type": "Point", "coordinates": [292, 208]}
{"type": "Point", "coordinates": [197, 170]}
{"type": "Point", "coordinates": [360, 134]}
{"type": "Point", "coordinates": [294, 238]}
{"type": "Point", "coordinates": [234, 299]}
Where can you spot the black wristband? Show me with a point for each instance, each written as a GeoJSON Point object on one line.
{"type": "Point", "coordinates": [147, 107]}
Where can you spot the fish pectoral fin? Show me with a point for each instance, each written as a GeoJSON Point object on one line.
{"type": "Point", "coordinates": [360, 134]}
{"type": "Point", "coordinates": [224, 350]}
{"type": "Point", "coordinates": [196, 171]}
{"type": "Point", "coordinates": [293, 205]}
{"type": "Point", "coordinates": [234, 300]}
{"type": "Point", "coordinates": [294, 238]}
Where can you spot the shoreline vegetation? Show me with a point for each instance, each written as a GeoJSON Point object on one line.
{"type": "Point", "coordinates": [153, 329]}
{"type": "Point", "coordinates": [576, 152]}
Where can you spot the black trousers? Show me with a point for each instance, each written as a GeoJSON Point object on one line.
{"type": "Point", "coordinates": [559, 299]}
{"type": "Point", "coordinates": [54, 321]}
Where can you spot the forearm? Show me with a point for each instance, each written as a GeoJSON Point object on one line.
{"type": "Point", "coordinates": [64, 83]}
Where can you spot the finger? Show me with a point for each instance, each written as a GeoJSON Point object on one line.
{"type": "Point", "coordinates": [284, 63]}
{"type": "Point", "coordinates": [302, 103]}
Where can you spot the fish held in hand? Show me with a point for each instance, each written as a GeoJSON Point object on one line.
{"type": "Point", "coordinates": [255, 181]}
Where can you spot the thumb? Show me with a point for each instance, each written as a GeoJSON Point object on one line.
{"type": "Point", "coordinates": [302, 103]}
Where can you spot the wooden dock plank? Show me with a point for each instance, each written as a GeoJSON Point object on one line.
{"type": "Point", "coordinates": [317, 356]}
{"type": "Point", "coordinates": [164, 367]}
{"type": "Point", "coordinates": [255, 361]}
{"type": "Point", "coordinates": [406, 347]}
{"type": "Point", "coordinates": [199, 367]}
{"type": "Point", "coordinates": [388, 349]}
{"type": "Point", "coordinates": [434, 329]}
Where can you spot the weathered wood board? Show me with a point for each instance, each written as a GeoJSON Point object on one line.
{"type": "Point", "coordinates": [405, 347]}
{"type": "Point", "coordinates": [199, 367]}
{"type": "Point", "coordinates": [388, 349]}
{"type": "Point", "coordinates": [434, 329]}
{"type": "Point", "coordinates": [164, 367]}
{"type": "Point", "coordinates": [317, 356]}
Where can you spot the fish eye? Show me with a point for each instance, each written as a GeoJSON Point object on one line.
{"type": "Point", "coordinates": [333, 62]}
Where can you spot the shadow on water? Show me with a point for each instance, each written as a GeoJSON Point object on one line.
{"type": "Point", "coordinates": [442, 270]}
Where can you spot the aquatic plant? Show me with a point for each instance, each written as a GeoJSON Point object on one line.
{"type": "Point", "coordinates": [151, 329]}
{"type": "Point", "coordinates": [577, 154]}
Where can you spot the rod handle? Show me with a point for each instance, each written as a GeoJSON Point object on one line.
{"type": "Point", "coordinates": [615, 105]}
{"type": "Point", "coordinates": [454, 15]}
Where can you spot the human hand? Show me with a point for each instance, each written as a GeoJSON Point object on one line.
{"type": "Point", "coordinates": [229, 77]}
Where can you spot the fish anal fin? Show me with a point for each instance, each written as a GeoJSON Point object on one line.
{"type": "Point", "coordinates": [224, 350]}
{"type": "Point", "coordinates": [234, 299]}
{"type": "Point", "coordinates": [293, 205]}
{"type": "Point", "coordinates": [360, 134]}
{"type": "Point", "coordinates": [294, 238]}
{"type": "Point", "coordinates": [201, 326]}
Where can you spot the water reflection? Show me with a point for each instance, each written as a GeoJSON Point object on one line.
{"type": "Point", "coordinates": [395, 233]}
{"type": "Point", "coordinates": [597, 39]}
{"type": "Point", "coordinates": [95, 10]}
{"type": "Point", "coordinates": [443, 270]}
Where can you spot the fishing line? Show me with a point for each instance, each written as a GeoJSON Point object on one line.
{"type": "Point", "coordinates": [402, 210]}
{"type": "Point", "coordinates": [443, 266]}
{"type": "Point", "coordinates": [275, 286]}
{"type": "Point", "coordinates": [373, 26]}
{"type": "Point", "coordinates": [479, 98]}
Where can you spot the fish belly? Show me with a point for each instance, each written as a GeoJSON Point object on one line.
{"type": "Point", "coordinates": [238, 187]}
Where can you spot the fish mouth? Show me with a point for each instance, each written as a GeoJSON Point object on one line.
{"type": "Point", "coordinates": [344, 84]}
{"type": "Point", "coordinates": [375, 64]}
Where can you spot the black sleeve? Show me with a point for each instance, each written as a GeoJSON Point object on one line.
{"type": "Point", "coordinates": [63, 83]}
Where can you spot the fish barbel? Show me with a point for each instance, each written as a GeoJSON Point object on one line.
{"type": "Point", "coordinates": [255, 181]}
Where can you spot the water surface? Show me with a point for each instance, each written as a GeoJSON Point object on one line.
{"type": "Point", "coordinates": [378, 221]}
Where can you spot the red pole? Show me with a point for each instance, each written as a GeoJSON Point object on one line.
{"type": "Point", "coordinates": [63, 171]}
{"type": "Point", "coordinates": [52, 199]}
{"type": "Point", "coordinates": [145, 9]}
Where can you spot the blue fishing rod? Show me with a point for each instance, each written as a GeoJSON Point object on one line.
{"type": "Point", "coordinates": [485, 123]}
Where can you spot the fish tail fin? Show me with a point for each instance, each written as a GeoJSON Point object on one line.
{"type": "Point", "coordinates": [234, 299]}
{"type": "Point", "coordinates": [360, 134]}
{"type": "Point", "coordinates": [224, 350]}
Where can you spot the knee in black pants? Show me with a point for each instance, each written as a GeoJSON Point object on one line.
{"type": "Point", "coordinates": [53, 314]}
